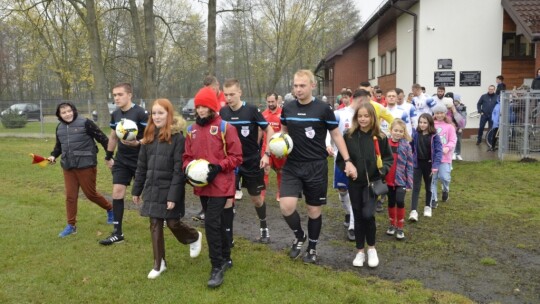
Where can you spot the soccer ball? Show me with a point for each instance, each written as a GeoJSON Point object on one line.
{"type": "Point", "coordinates": [280, 145]}
{"type": "Point", "coordinates": [126, 129]}
{"type": "Point", "coordinates": [197, 172]}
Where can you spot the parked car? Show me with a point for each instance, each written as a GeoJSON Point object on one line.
{"type": "Point", "coordinates": [29, 110]}
{"type": "Point", "coordinates": [111, 107]}
{"type": "Point", "coordinates": [188, 111]}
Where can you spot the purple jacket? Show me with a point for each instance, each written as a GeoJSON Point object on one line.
{"type": "Point", "coordinates": [436, 150]}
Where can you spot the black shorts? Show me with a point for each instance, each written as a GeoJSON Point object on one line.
{"type": "Point", "coordinates": [252, 177]}
{"type": "Point", "coordinates": [310, 178]}
{"type": "Point", "coordinates": [122, 174]}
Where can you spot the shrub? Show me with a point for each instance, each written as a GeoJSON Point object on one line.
{"type": "Point", "coordinates": [12, 120]}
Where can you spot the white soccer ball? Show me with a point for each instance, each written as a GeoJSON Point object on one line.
{"type": "Point", "coordinates": [197, 172]}
{"type": "Point", "coordinates": [126, 129]}
{"type": "Point", "coordinates": [280, 145]}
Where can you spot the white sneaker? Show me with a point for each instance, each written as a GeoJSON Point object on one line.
{"type": "Point", "coordinates": [454, 156]}
{"type": "Point", "coordinates": [359, 259]}
{"type": "Point", "coordinates": [413, 216]}
{"type": "Point", "coordinates": [238, 195]}
{"type": "Point", "coordinates": [373, 259]}
{"type": "Point", "coordinates": [156, 273]}
{"type": "Point", "coordinates": [427, 211]}
{"type": "Point", "coordinates": [459, 157]}
{"type": "Point", "coordinates": [195, 247]}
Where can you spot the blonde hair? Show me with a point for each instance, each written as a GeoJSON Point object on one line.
{"type": "Point", "coordinates": [305, 73]}
{"type": "Point", "coordinates": [401, 123]}
{"type": "Point", "coordinates": [374, 122]}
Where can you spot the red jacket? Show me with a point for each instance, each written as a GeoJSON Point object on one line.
{"type": "Point", "coordinates": [207, 142]}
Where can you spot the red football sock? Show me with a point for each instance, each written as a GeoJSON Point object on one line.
{"type": "Point", "coordinates": [400, 217]}
{"type": "Point", "coordinates": [392, 215]}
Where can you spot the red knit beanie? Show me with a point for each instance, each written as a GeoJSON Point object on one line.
{"type": "Point", "coordinates": [207, 97]}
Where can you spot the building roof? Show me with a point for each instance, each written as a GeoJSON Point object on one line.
{"type": "Point", "coordinates": [526, 15]}
{"type": "Point", "coordinates": [387, 12]}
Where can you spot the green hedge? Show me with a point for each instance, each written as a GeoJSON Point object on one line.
{"type": "Point", "coordinates": [12, 120]}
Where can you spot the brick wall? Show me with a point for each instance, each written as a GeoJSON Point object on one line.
{"type": "Point", "coordinates": [509, 26]}
{"type": "Point", "coordinates": [515, 70]}
{"type": "Point", "coordinates": [351, 68]}
{"type": "Point", "coordinates": [387, 38]}
{"type": "Point", "coordinates": [537, 65]}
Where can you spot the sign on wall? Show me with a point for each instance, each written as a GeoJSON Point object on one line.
{"type": "Point", "coordinates": [444, 64]}
{"type": "Point", "coordinates": [446, 78]}
{"type": "Point", "coordinates": [470, 78]}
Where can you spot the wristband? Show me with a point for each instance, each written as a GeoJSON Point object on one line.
{"type": "Point", "coordinates": [348, 160]}
{"type": "Point", "coordinates": [108, 155]}
{"type": "Point", "coordinates": [267, 153]}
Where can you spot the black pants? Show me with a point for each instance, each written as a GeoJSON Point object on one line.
{"type": "Point", "coordinates": [218, 246]}
{"type": "Point", "coordinates": [363, 205]}
{"type": "Point", "coordinates": [422, 172]}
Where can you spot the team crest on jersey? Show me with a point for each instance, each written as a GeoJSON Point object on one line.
{"type": "Point", "coordinates": [310, 133]}
{"type": "Point", "coordinates": [245, 131]}
{"type": "Point", "coordinates": [213, 130]}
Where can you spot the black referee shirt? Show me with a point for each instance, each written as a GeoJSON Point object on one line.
{"type": "Point", "coordinates": [125, 154]}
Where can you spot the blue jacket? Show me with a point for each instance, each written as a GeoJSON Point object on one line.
{"type": "Point", "coordinates": [436, 150]}
{"type": "Point", "coordinates": [404, 165]}
{"type": "Point", "coordinates": [495, 115]}
{"type": "Point", "coordinates": [486, 103]}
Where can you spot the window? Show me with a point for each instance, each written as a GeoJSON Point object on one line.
{"type": "Point", "coordinates": [393, 58]}
{"type": "Point", "coordinates": [331, 74]}
{"type": "Point", "coordinates": [372, 68]}
{"type": "Point", "coordinates": [517, 46]}
{"type": "Point", "coordinates": [383, 65]}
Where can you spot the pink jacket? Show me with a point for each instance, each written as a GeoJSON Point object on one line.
{"type": "Point", "coordinates": [447, 134]}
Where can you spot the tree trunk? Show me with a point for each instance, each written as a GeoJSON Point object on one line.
{"type": "Point", "coordinates": [211, 51]}
{"type": "Point", "coordinates": [150, 63]}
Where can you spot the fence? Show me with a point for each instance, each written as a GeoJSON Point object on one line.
{"type": "Point", "coordinates": [519, 128]}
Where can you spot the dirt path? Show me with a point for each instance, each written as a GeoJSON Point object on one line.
{"type": "Point", "coordinates": [514, 279]}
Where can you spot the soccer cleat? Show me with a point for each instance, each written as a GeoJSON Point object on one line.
{"type": "Point", "coordinates": [195, 247]}
{"type": "Point", "coordinates": [228, 264]}
{"type": "Point", "coordinates": [445, 196]}
{"type": "Point", "coordinates": [359, 259]}
{"type": "Point", "coordinates": [296, 247]}
{"type": "Point", "coordinates": [413, 216]}
{"type": "Point", "coordinates": [110, 217]}
{"type": "Point", "coordinates": [238, 195]}
{"type": "Point", "coordinates": [310, 257]}
{"type": "Point", "coordinates": [459, 157]}
{"type": "Point", "coordinates": [347, 220]}
{"type": "Point", "coordinates": [427, 211]}
{"type": "Point", "coordinates": [265, 236]}
{"type": "Point", "coordinates": [216, 277]}
{"type": "Point", "coordinates": [156, 273]}
{"type": "Point", "coordinates": [350, 235]}
{"type": "Point", "coordinates": [391, 230]}
{"type": "Point", "coordinates": [70, 229]}
{"type": "Point", "coordinates": [112, 239]}
{"type": "Point", "coordinates": [373, 259]}
{"type": "Point", "coordinates": [399, 234]}
{"type": "Point", "coordinates": [199, 216]}
{"type": "Point", "coordinates": [380, 207]}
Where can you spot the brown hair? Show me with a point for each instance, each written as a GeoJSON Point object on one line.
{"type": "Point", "coordinates": [126, 85]}
{"type": "Point", "coordinates": [232, 82]}
{"type": "Point", "coordinates": [165, 132]}
{"type": "Point", "coordinates": [431, 124]}
{"type": "Point", "coordinates": [375, 128]}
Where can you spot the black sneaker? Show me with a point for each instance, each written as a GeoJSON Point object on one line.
{"type": "Point", "coordinates": [227, 264]}
{"type": "Point", "coordinates": [112, 239]}
{"type": "Point", "coordinates": [347, 220]}
{"type": "Point", "coordinates": [379, 206]}
{"type": "Point", "coordinates": [296, 247]}
{"type": "Point", "coordinates": [445, 196]}
{"type": "Point", "coordinates": [216, 277]}
{"type": "Point", "coordinates": [265, 236]}
{"type": "Point", "coordinates": [350, 235]}
{"type": "Point", "coordinates": [199, 216]}
{"type": "Point", "coordinates": [310, 257]}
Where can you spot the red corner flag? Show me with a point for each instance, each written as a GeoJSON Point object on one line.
{"type": "Point", "coordinates": [40, 160]}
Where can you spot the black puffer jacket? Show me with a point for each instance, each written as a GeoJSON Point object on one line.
{"type": "Point", "coordinates": [159, 176]}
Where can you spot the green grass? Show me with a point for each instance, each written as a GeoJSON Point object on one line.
{"type": "Point", "coordinates": [32, 127]}
{"type": "Point", "coordinates": [38, 267]}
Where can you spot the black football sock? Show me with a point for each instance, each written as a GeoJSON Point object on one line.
{"type": "Point", "coordinates": [118, 214]}
{"type": "Point", "coordinates": [294, 223]}
{"type": "Point", "coordinates": [314, 230]}
{"type": "Point", "coordinates": [261, 213]}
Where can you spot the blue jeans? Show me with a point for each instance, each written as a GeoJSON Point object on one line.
{"type": "Point", "coordinates": [444, 175]}
{"type": "Point", "coordinates": [483, 120]}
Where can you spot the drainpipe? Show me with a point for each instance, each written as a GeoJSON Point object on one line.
{"type": "Point", "coordinates": [415, 30]}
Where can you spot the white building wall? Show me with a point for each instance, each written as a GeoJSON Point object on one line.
{"type": "Point", "coordinates": [404, 50]}
{"type": "Point", "coordinates": [469, 33]}
{"type": "Point", "coordinates": [373, 53]}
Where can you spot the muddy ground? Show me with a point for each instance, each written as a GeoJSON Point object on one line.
{"type": "Point", "coordinates": [514, 279]}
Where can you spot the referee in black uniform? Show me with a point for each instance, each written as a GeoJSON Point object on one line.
{"type": "Point", "coordinates": [248, 119]}
{"type": "Point", "coordinates": [124, 164]}
{"type": "Point", "coordinates": [307, 120]}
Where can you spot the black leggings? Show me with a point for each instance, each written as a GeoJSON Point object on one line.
{"type": "Point", "coordinates": [363, 205]}
{"type": "Point", "coordinates": [422, 172]}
